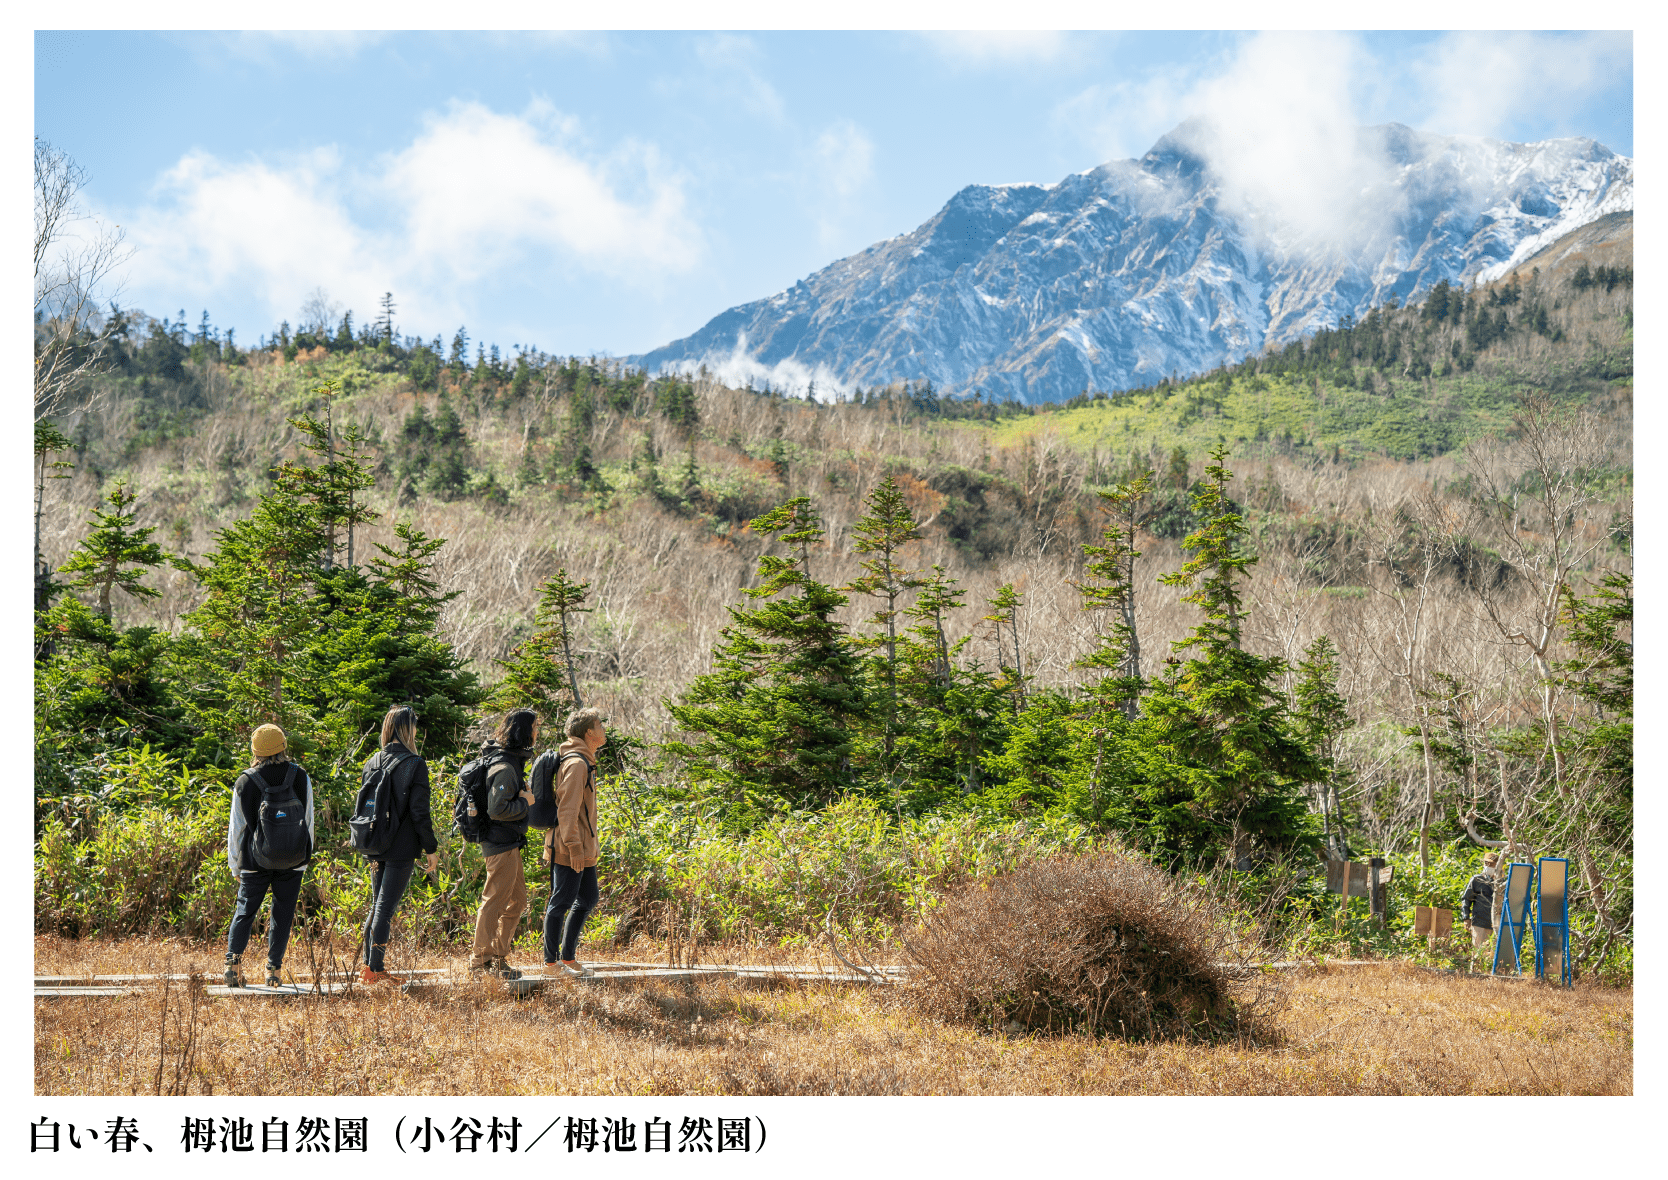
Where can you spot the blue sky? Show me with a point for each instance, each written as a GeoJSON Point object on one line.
{"type": "Point", "coordinates": [611, 192]}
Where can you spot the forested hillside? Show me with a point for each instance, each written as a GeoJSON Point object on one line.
{"type": "Point", "coordinates": [1371, 591]}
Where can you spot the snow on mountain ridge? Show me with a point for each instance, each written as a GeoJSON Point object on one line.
{"type": "Point", "coordinates": [1134, 269]}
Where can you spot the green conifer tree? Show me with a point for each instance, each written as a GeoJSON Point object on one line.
{"type": "Point", "coordinates": [100, 562]}
{"type": "Point", "coordinates": [1117, 654]}
{"type": "Point", "coordinates": [1237, 765]}
{"type": "Point", "coordinates": [542, 673]}
{"type": "Point", "coordinates": [376, 647]}
{"type": "Point", "coordinates": [774, 723]}
{"type": "Point", "coordinates": [241, 656]}
{"type": "Point", "coordinates": [1322, 716]}
{"type": "Point", "coordinates": [881, 536]}
{"type": "Point", "coordinates": [1004, 620]}
{"type": "Point", "coordinates": [949, 714]}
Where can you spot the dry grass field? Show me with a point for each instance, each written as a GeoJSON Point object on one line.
{"type": "Point", "coordinates": [1390, 1029]}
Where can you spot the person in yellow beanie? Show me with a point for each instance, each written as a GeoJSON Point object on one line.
{"type": "Point", "coordinates": [268, 843]}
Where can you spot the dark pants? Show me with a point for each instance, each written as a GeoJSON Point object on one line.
{"type": "Point", "coordinates": [389, 880]}
{"type": "Point", "coordinates": [251, 891]}
{"type": "Point", "coordinates": [573, 894]}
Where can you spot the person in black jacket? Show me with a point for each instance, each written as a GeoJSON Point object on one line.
{"type": "Point", "coordinates": [391, 872]}
{"type": "Point", "coordinates": [1477, 903]}
{"type": "Point", "coordinates": [247, 845]}
{"type": "Point", "coordinates": [504, 897]}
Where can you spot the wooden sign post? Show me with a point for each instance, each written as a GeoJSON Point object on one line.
{"type": "Point", "coordinates": [1357, 880]}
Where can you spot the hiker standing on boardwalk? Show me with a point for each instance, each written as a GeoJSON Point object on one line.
{"type": "Point", "coordinates": [267, 846]}
{"type": "Point", "coordinates": [505, 895]}
{"type": "Point", "coordinates": [391, 869]}
{"type": "Point", "coordinates": [1477, 903]}
{"type": "Point", "coordinates": [570, 848]}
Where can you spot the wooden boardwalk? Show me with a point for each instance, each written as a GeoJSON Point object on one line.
{"type": "Point", "coordinates": [600, 974]}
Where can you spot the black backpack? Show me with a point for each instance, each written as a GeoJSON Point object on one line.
{"type": "Point", "coordinates": [376, 813]}
{"type": "Point", "coordinates": [281, 840]}
{"type": "Point", "coordinates": [541, 780]}
{"type": "Point", "coordinates": [469, 809]}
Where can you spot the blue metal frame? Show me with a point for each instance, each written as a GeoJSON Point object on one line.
{"type": "Point", "coordinates": [1514, 925]}
{"type": "Point", "coordinates": [1557, 927]}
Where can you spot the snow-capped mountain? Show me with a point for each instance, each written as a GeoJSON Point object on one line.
{"type": "Point", "coordinates": [1117, 276]}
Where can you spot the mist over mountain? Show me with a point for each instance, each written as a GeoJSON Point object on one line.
{"type": "Point", "coordinates": [1196, 254]}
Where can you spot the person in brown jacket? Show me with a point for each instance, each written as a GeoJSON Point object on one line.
{"type": "Point", "coordinates": [571, 846]}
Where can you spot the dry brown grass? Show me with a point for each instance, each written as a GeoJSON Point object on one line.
{"type": "Point", "coordinates": [1372, 1030]}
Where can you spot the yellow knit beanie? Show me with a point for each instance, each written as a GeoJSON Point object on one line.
{"type": "Point", "coordinates": [267, 740]}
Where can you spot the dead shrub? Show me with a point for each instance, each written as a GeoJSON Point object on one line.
{"type": "Point", "coordinates": [1104, 943]}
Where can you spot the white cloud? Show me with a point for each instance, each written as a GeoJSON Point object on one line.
{"type": "Point", "coordinates": [280, 232]}
{"type": "Point", "coordinates": [730, 61]}
{"type": "Point", "coordinates": [1480, 83]}
{"type": "Point", "coordinates": [479, 188]}
{"type": "Point", "coordinates": [791, 376]}
{"type": "Point", "coordinates": [836, 171]}
{"type": "Point", "coordinates": [1009, 47]}
{"type": "Point", "coordinates": [1280, 126]}
{"type": "Point", "coordinates": [478, 194]}
{"type": "Point", "coordinates": [269, 48]}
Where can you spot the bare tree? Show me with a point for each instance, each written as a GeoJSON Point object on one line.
{"type": "Point", "coordinates": [1413, 538]}
{"type": "Point", "coordinates": [319, 313]}
{"type": "Point", "coordinates": [1539, 491]}
{"type": "Point", "coordinates": [73, 268]}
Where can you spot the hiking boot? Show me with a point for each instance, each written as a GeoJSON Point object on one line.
{"type": "Point", "coordinates": [272, 979]}
{"type": "Point", "coordinates": [234, 973]}
{"type": "Point", "coordinates": [368, 977]}
{"type": "Point", "coordinates": [490, 967]}
{"type": "Point", "coordinates": [502, 969]}
{"type": "Point", "coordinates": [575, 967]}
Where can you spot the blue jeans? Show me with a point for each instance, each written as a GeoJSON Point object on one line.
{"type": "Point", "coordinates": [389, 881]}
{"type": "Point", "coordinates": [251, 891]}
{"type": "Point", "coordinates": [573, 894]}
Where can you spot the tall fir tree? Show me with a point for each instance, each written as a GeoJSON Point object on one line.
{"type": "Point", "coordinates": [376, 647]}
{"type": "Point", "coordinates": [240, 660]}
{"type": "Point", "coordinates": [1117, 653]}
{"type": "Point", "coordinates": [1004, 620]}
{"type": "Point", "coordinates": [950, 714]}
{"type": "Point", "coordinates": [776, 720]}
{"type": "Point", "coordinates": [1322, 716]}
{"type": "Point", "coordinates": [103, 559]}
{"type": "Point", "coordinates": [542, 672]}
{"type": "Point", "coordinates": [1237, 763]}
{"type": "Point", "coordinates": [880, 537]}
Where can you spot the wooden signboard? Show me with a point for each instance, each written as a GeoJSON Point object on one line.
{"type": "Point", "coordinates": [1359, 877]}
{"type": "Point", "coordinates": [1433, 921]}
{"type": "Point", "coordinates": [1335, 870]}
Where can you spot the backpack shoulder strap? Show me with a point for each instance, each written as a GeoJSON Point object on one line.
{"type": "Point", "coordinates": [590, 767]}
{"type": "Point", "coordinates": [290, 771]}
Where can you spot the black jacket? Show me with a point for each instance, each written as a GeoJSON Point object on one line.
{"type": "Point", "coordinates": [411, 796]}
{"type": "Point", "coordinates": [1477, 902]}
{"type": "Point", "coordinates": [506, 778]}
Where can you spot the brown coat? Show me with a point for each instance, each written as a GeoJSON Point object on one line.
{"type": "Point", "coordinates": [573, 841]}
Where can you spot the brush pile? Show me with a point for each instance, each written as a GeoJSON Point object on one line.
{"type": "Point", "coordinates": [1104, 943]}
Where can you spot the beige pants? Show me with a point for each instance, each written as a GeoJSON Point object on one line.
{"type": "Point", "coordinates": [502, 903]}
{"type": "Point", "coordinates": [1481, 936]}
